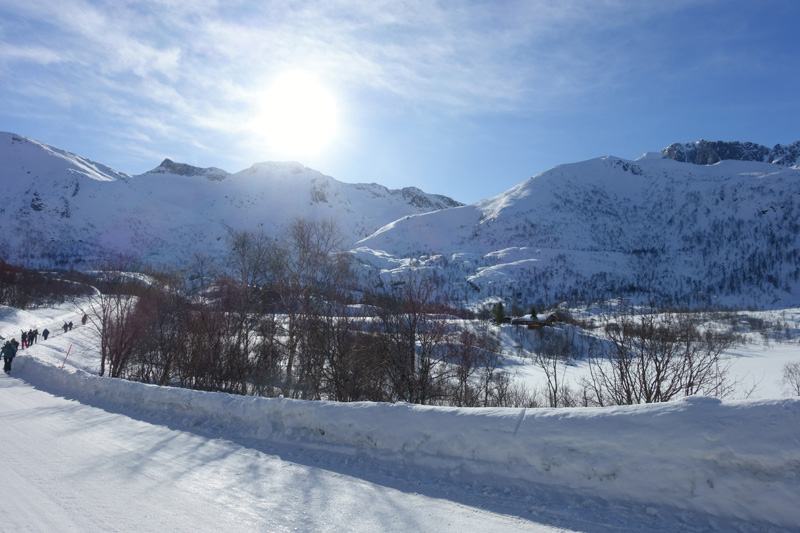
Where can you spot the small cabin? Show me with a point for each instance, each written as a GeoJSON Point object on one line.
{"type": "Point", "coordinates": [534, 323]}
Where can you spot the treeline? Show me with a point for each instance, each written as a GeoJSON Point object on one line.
{"type": "Point", "coordinates": [24, 288]}
{"type": "Point", "coordinates": [292, 318]}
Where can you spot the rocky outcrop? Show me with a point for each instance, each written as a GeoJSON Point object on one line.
{"type": "Point", "coordinates": [786, 155]}
{"type": "Point", "coordinates": [425, 201]}
{"type": "Point", "coordinates": [705, 152]}
{"type": "Point", "coordinates": [182, 169]}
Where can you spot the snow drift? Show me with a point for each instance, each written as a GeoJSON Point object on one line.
{"type": "Point", "coordinates": [729, 459]}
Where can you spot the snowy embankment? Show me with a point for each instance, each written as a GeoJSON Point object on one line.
{"type": "Point", "coordinates": [728, 459]}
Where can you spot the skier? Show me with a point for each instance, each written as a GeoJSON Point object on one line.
{"type": "Point", "coordinates": [24, 340]}
{"type": "Point", "coordinates": [84, 319]}
{"type": "Point", "coordinates": [9, 350]}
{"type": "Point", "coordinates": [70, 325]}
{"type": "Point", "coordinates": [65, 327]}
{"type": "Point", "coordinates": [45, 333]}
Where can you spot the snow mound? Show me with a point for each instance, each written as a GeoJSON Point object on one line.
{"type": "Point", "coordinates": [728, 459]}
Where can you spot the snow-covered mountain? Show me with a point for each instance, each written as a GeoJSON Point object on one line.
{"type": "Point", "coordinates": [702, 223]}
{"type": "Point", "coordinates": [660, 229]}
{"type": "Point", "coordinates": [61, 208]}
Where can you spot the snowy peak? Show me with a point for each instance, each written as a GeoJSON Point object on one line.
{"type": "Point", "coordinates": [77, 210]}
{"type": "Point", "coordinates": [182, 169]}
{"type": "Point", "coordinates": [26, 158]}
{"type": "Point", "coordinates": [277, 167]}
{"type": "Point", "coordinates": [705, 152]}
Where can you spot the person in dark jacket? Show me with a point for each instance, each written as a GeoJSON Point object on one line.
{"type": "Point", "coordinates": [65, 327]}
{"type": "Point", "coordinates": [9, 350]}
{"type": "Point", "coordinates": [45, 333]}
{"type": "Point", "coordinates": [24, 340]}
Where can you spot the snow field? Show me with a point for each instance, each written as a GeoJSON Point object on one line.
{"type": "Point", "coordinates": [737, 459]}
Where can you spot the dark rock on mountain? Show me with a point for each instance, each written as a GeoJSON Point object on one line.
{"type": "Point", "coordinates": [786, 155]}
{"type": "Point", "coordinates": [423, 200]}
{"type": "Point", "coordinates": [705, 152]}
{"type": "Point", "coordinates": [182, 169]}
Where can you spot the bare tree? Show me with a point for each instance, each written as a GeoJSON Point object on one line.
{"type": "Point", "coordinates": [654, 357]}
{"type": "Point", "coordinates": [551, 348]}
{"type": "Point", "coordinates": [304, 272]}
{"type": "Point", "coordinates": [250, 264]}
{"type": "Point", "coordinates": [350, 370]}
{"type": "Point", "coordinates": [162, 343]}
{"type": "Point", "coordinates": [465, 358]}
{"type": "Point", "coordinates": [114, 315]}
{"type": "Point", "coordinates": [791, 377]}
{"type": "Point", "coordinates": [416, 334]}
{"type": "Point", "coordinates": [474, 356]}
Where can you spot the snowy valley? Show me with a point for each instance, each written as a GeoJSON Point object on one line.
{"type": "Point", "coordinates": [498, 426]}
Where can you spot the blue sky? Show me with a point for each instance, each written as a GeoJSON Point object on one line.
{"type": "Point", "coordinates": [464, 98]}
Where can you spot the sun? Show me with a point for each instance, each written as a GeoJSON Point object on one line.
{"type": "Point", "coordinates": [298, 115]}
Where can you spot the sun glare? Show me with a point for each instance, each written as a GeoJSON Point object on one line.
{"type": "Point", "coordinates": [298, 115]}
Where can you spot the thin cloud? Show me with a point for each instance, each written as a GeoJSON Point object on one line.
{"type": "Point", "coordinates": [30, 54]}
{"type": "Point", "coordinates": [202, 64]}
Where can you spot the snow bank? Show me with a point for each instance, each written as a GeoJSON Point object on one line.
{"type": "Point", "coordinates": [727, 459]}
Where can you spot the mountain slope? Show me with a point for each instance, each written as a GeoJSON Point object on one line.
{"type": "Point", "coordinates": [66, 210]}
{"type": "Point", "coordinates": [667, 231]}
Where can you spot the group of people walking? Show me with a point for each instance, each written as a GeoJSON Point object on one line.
{"type": "Point", "coordinates": [10, 348]}
{"type": "Point", "coordinates": [30, 337]}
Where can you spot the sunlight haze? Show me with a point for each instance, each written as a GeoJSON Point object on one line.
{"type": "Point", "coordinates": [298, 115]}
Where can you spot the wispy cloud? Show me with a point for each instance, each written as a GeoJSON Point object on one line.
{"type": "Point", "coordinates": [33, 54]}
{"type": "Point", "coordinates": [200, 64]}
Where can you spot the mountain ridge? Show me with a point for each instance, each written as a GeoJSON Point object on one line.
{"type": "Point", "coordinates": [705, 152]}
{"type": "Point", "coordinates": [654, 229]}
{"type": "Point", "coordinates": [182, 169]}
{"type": "Point", "coordinates": [69, 211]}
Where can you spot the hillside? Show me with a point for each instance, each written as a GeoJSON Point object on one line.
{"type": "Point", "coordinates": [659, 229]}
{"type": "Point", "coordinates": [67, 210]}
